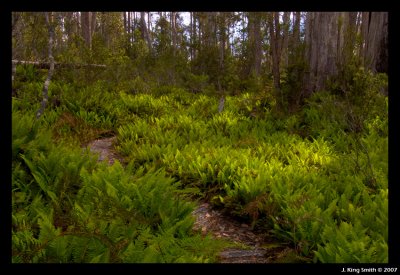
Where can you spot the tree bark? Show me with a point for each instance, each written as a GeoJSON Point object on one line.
{"type": "Point", "coordinates": [255, 42]}
{"type": "Point", "coordinates": [50, 27]}
{"type": "Point", "coordinates": [85, 24]}
{"type": "Point", "coordinates": [173, 31]}
{"type": "Point", "coordinates": [149, 26]}
{"type": "Point", "coordinates": [322, 49]}
{"type": "Point", "coordinates": [293, 47]}
{"type": "Point", "coordinates": [128, 27]}
{"type": "Point", "coordinates": [347, 36]}
{"type": "Point", "coordinates": [375, 37]}
{"type": "Point", "coordinates": [145, 34]}
{"type": "Point", "coordinates": [92, 26]}
{"type": "Point", "coordinates": [222, 30]}
{"type": "Point", "coordinates": [274, 32]}
{"type": "Point", "coordinates": [191, 36]}
{"type": "Point", "coordinates": [285, 39]}
{"type": "Point", "coordinates": [125, 25]}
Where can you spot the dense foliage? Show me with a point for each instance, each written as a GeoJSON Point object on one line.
{"type": "Point", "coordinates": [308, 178]}
{"type": "Point", "coordinates": [192, 122]}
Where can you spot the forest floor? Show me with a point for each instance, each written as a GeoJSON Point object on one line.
{"type": "Point", "coordinates": [252, 247]}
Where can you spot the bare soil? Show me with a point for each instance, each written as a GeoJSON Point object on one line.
{"type": "Point", "coordinates": [259, 248]}
{"type": "Point", "coordinates": [105, 148]}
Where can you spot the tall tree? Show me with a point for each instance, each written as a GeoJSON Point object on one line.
{"type": "Point", "coordinates": [375, 37]}
{"type": "Point", "coordinates": [191, 34]}
{"type": "Point", "coordinates": [275, 41]}
{"type": "Point", "coordinates": [50, 27]}
{"type": "Point", "coordinates": [125, 22]}
{"type": "Point", "coordinates": [145, 33]}
{"type": "Point", "coordinates": [88, 23]}
{"type": "Point", "coordinates": [255, 42]}
{"type": "Point", "coordinates": [294, 44]}
{"type": "Point", "coordinates": [347, 36]}
{"type": "Point", "coordinates": [85, 24]}
{"type": "Point", "coordinates": [173, 31]}
{"type": "Point", "coordinates": [285, 39]}
{"type": "Point", "coordinates": [322, 49]}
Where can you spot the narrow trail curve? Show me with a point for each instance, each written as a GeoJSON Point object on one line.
{"type": "Point", "coordinates": [105, 148]}
{"type": "Point", "coordinates": [214, 222]}
{"type": "Point", "coordinates": [260, 248]}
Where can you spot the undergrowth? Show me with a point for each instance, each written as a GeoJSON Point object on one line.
{"type": "Point", "coordinates": [316, 179]}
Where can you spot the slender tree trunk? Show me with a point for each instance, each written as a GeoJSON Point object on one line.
{"type": "Point", "coordinates": [274, 32]}
{"type": "Point", "coordinates": [243, 33]}
{"type": "Point", "coordinates": [132, 16]}
{"type": "Point", "coordinates": [192, 34]}
{"type": "Point", "coordinates": [125, 23]}
{"type": "Point", "coordinates": [77, 25]}
{"type": "Point", "coordinates": [222, 38]}
{"type": "Point", "coordinates": [215, 28]}
{"type": "Point", "coordinates": [148, 21]}
{"type": "Point", "coordinates": [88, 22]}
{"type": "Point", "coordinates": [208, 29]}
{"type": "Point", "coordinates": [228, 41]}
{"type": "Point", "coordinates": [220, 24]}
{"type": "Point", "coordinates": [296, 30]}
{"type": "Point", "coordinates": [92, 26]}
{"type": "Point", "coordinates": [295, 40]}
{"type": "Point", "coordinates": [145, 34]}
{"type": "Point", "coordinates": [285, 39]}
{"type": "Point", "coordinates": [68, 24]}
{"type": "Point", "coordinates": [173, 31]}
{"type": "Point", "coordinates": [149, 26]}
{"type": "Point", "coordinates": [85, 23]}
{"type": "Point", "coordinates": [50, 28]}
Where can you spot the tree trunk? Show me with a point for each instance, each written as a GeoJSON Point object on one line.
{"type": "Point", "coordinates": [145, 34]}
{"type": "Point", "coordinates": [255, 42]}
{"type": "Point", "coordinates": [221, 27]}
{"type": "Point", "coordinates": [50, 27]}
{"type": "Point", "coordinates": [191, 36]}
{"type": "Point", "coordinates": [347, 37]}
{"type": "Point", "coordinates": [125, 23]}
{"type": "Point", "coordinates": [149, 26]}
{"type": "Point", "coordinates": [274, 32]}
{"type": "Point", "coordinates": [293, 47]}
{"type": "Point", "coordinates": [85, 25]}
{"type": "Point", "coordinates": [285, 39]}
{"type": "Point", "coordinates": [68, 24]}
{"type": "Point", "coordinates": [322, 49]}
{"type": "Point", "coordinates": [222, 31]}
{"type": "Point", "coordinates": [375, 36]}
{"type": "Point", "coordinates": [134, 22]}
{"type": "Point", "coordinates": [92, 26]}
{"type": "Point", "coordinates": [173, 31]}
{"type": "Point", "coordinates": [296, 30]}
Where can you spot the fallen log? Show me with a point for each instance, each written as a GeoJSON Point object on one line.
{"type": "Point", "coordinates": [46, 65]}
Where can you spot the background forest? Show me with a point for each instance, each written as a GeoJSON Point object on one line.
{"type": "Point", "coordinates": [280, 119]}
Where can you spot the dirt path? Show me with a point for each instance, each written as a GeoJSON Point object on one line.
{"type": "Point", "coordinates": [259, 248]}
{"type": "Point", "coordinates": [105, 148]}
